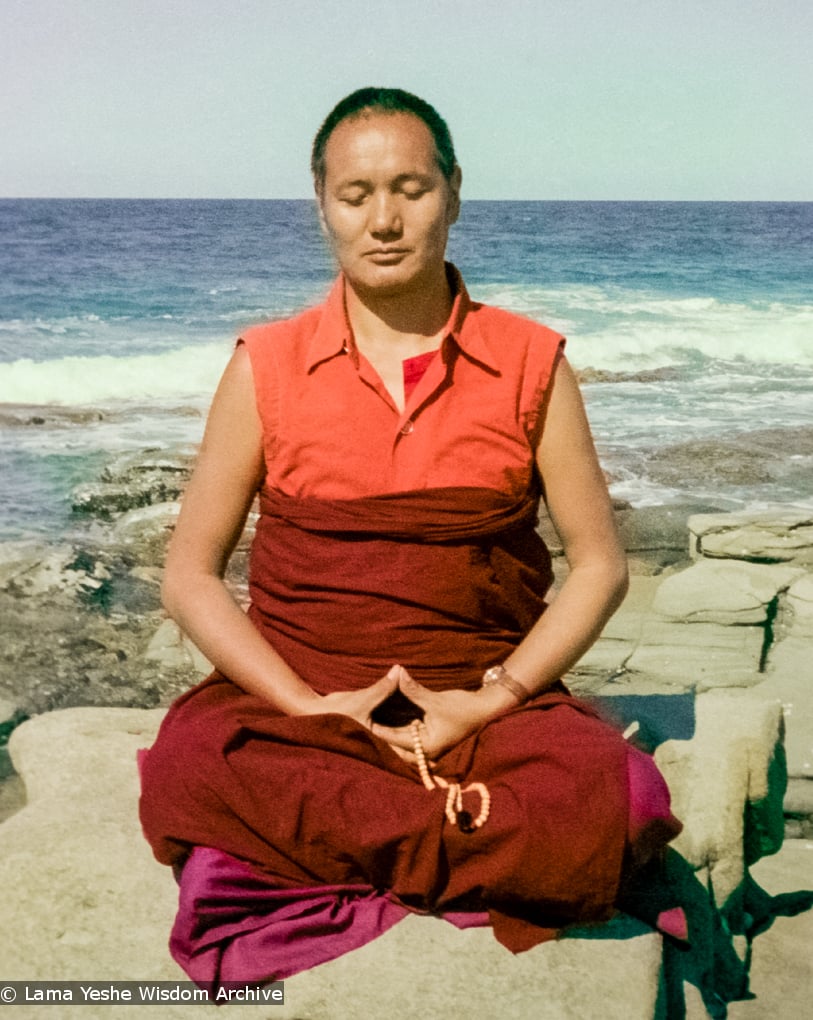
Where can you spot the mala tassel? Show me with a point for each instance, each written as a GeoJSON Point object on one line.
{"type": "Point", "coordinates": [454, 811]}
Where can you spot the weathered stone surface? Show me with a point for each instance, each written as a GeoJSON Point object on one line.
{"type": "Point", "coordinates": [75, 624]}
{"type": "Point", "coordinates": [798, 605]}
{"type": "Point", "coordinates": [144, 522]}
{"type": "Point", "coordinates": [421, 969]}
{"type": "Point", "coordinates": [146, 531]}
{"type": "Point", "coordinates": [646, 652]}
{"type": "Point", "coordinates": [31, 568]}
{"type": "Point", "coordinates": [727, 785]}
{"type": "Point", "coordinates": [657, 529]}
{"type": "Point", "coordinates": [10, 716]}
{"type": "Point", "coordinates": [724, 592]}
{"type": "Point", "coordinates": [754, 462]}
{"type": "Point", "coordinates": [781, 977]}
{"type": "Point", "coordinates": [780, 534]}
{"type": "Point", "coordinates": [135, 480]}
{"type": "Point", "coordinates": [799, 797]}
{"type": "Point", "coordinates": [8, 710]}
{"type": "Point", "coordinates": [49, 414]}
{"type": "Point", "coordinates": [621, 634]}
{"type": "Point", "coordinates": [788, 680]}
{"type": "Point", "coordinates": [83, 896]}
{"type": "Point", "coordinates": [698, 656]}
{"type": "Point", "coordinates": [626, 683]}
{"type": "Point", "coordinates": [81, 892]}
{"type": "Point", "coordinates": [170, 647]}
{"type": "Point", "coordinates": [106, 499]}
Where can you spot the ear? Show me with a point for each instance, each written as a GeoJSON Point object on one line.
{"type": "Point", "coordinates": [455, 182]}
{"type": "Point", "coordinates": [320, 208]}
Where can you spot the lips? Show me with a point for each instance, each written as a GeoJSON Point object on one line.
{"type": "Point", "coordinates": [386, 252]}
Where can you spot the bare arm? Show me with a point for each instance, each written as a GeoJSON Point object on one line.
{"type": "Point", "coordinates": [229, 470]}
{"type": "Point", "coordinates": [580, 506]}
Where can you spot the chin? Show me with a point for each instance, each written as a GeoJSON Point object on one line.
{"type": "Point", "coordinates": [384, 279]}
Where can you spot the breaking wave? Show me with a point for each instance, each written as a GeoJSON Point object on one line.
{"type": "Point", "coordinates": [190, 372]}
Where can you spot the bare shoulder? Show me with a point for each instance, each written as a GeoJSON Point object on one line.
{"type": "Point", "coordinates": [229, 470]}
{"type": "Point", "coordinates": [573, 481]}
{"type": "Point", "coordinates": [233, 428]}
{"type": "Point", "coordinates": [567, 431]}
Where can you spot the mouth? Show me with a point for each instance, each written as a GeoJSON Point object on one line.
{"type": "Point", "coordinates": [386, 254]}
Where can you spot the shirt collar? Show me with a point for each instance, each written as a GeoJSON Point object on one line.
{"type": "Point", "coordinates": [333, 335]}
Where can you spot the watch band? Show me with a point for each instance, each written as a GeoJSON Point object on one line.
{"type": "Point", "coordinates": [500, 675]}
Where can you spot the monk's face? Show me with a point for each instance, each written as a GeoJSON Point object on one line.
{"type": "Point", "coordinates": [386, 206]}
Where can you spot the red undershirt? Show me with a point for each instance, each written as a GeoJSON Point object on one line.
{"type": "Point", "coordinates": [414, 369]}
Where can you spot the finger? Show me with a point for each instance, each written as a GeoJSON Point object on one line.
{"type": "Point", "coordinates": [396, 736]}
{"type": "Point", "coordinates": [381, 689]}
{"type": "Point", "coordinates": [413, 690]}
{"type": "Point", "coordinates": [389, 680]}
{"type": "Point", "coordinates": [404, 754]}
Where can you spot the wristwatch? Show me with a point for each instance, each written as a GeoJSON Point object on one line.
{"type": "Point", "coordinates": [500, 675]}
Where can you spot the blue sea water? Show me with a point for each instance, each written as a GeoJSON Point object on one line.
{"type": "Point", "coordinates": [118, 317]}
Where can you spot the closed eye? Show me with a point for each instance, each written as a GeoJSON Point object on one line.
{"type": "Point", "coordinates": [412, 186]}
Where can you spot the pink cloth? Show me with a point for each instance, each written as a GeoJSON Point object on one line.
{"type": "Point", "coordinates": [233, 925]}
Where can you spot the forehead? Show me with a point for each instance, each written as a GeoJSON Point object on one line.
{"type": "Point", "coordinates": [376, 143]}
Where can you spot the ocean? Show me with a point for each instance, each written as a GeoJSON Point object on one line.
{"type": "Point", "coordinates": [691, 325]}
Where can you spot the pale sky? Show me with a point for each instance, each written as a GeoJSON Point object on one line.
{"type": "Point", "coordinates": [546, 99]}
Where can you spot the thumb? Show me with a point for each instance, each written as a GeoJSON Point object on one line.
{"type": "Point", "coordinates": [412, 689]}
{"type": "Point", "coordinates": [387, 684]}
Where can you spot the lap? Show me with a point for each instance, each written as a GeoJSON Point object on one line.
{"type": "Point", "coordinates": [319, 799]}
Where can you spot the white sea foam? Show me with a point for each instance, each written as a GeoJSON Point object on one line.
{"type": "Point", "coordinates": [189, 372]}
{"type": "Point", "coordinates": [633, 331]}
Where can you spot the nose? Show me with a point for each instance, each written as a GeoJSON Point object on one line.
{"type": "Point", "coordinates": [385, 215]}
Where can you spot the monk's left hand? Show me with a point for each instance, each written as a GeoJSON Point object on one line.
{"type": "Point", "coordinates": [449, 716]}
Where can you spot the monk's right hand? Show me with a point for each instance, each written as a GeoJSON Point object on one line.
{"type": "Point", "coordinates": [358, 705]}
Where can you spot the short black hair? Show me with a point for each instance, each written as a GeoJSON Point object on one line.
{"type": "Point", "coordinates": [384, 100]}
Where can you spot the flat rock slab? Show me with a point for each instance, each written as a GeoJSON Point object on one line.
{"type": "Point", "coordinates": [788, 681]}
{"type": "Point", "coordinates": [697, 656]}
{"type": "Point", "coordinates": [84, 899]}
{"type": "Point", "coordinates": [799, 608]}
{"type": "Point", "coordinates": [725, 592]}
{"type": "Point", "coordinates": [620, 636]}
{"type": "Point", "coordinates": [782, 962]}
{"type": "Point", "coordinates": [781, 534]}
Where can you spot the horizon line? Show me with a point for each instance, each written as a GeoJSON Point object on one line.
{"type": "Point", "coordinates": [465, 201]}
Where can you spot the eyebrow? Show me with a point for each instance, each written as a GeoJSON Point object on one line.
{"type": "Point", "coordinates": [353, 184]}
{"type": "Point", "coordinates": [400, 179]}
{"type": "Point", "coordinates": [414, 176]}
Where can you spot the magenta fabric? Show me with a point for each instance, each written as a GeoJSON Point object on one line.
{"type": "Point", "coordinates": [234, 925]}
{"type": "Point", "coordinates": [650, 822]}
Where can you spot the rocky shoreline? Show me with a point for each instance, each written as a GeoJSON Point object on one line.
{"type": "Point", "coordinates": [83, 618]}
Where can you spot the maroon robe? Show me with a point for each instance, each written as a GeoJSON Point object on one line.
{"type": "Point", "coordinates": [445, 582]}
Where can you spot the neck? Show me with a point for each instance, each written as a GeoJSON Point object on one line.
{"type": "Point", "coordinates": [409, 322]}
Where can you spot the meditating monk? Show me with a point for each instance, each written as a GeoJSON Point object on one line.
{"type": "Point", "coordinates": [386, 729]}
